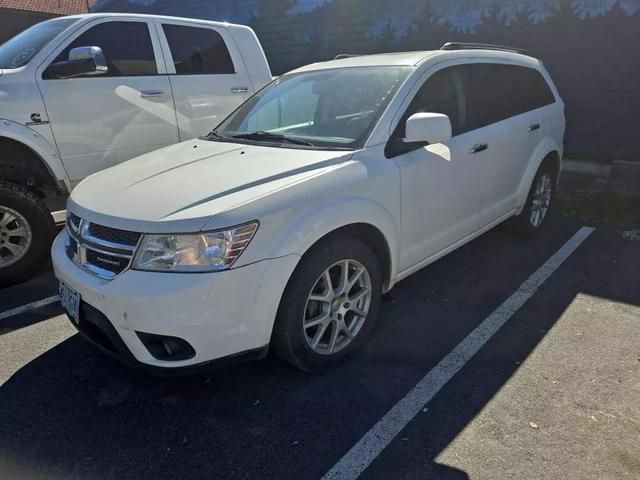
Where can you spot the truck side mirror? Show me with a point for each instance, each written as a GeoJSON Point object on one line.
{"type": "Point", "coordinates": [82, 61]}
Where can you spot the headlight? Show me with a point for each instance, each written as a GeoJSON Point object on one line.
{"type": "Point", "coordinates": [198, 252]}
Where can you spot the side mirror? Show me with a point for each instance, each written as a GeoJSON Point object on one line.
{"type": "Point", "coordinates": [428, 128]}
{"type": "Point", "coordinates": [82, 61]}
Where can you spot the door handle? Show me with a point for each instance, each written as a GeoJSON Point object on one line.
{"type": "Point", "coordinates": [481, 147]}
{"type": "Point", "coordinates": [240, 90]}
{"type": "Point", "coordinates": [151, 93]}
{"type": "Point", "coordinates": [534, 127]}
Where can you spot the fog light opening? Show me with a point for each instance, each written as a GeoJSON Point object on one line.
{"type": "Point", "coordinates": [166, 348]}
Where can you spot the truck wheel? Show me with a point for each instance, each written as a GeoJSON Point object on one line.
{"type": "Point", "coordinates": [26, 232]}
{"type": "Point", "coordinates": [330, 305]}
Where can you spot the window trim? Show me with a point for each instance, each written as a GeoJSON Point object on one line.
{"type": "Point", "coordinates": [390, 150]}
{"type": "Point", "coordinates": [168, 56]}
{"type": "Point", "coordinates": [434, 68]}
{"type": "Point", "coordinates": [157, 52]}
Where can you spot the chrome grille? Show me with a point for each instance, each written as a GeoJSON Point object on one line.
{"type": "Point", "coordinates": [103, 251]}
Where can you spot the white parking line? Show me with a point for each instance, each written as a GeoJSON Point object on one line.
{"type": "Point", "coordinates": [376, 440]}
{"type": "Point", "coordinates": [28, 307]}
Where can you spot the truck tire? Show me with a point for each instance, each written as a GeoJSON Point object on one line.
{"type": "Point", "coordinates": [26, 232]}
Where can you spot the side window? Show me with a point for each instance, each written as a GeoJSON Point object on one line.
{"type": "Point", "coordinates": [126, 45]}
{"type": "Point", "coordinates": [443, 93]}
{"type": "Point", "coordinates": [538, 92]}
{"type": "Point", "coordinates": [198, 50]}
{"type": "Point", "coordinates": [497, 92]}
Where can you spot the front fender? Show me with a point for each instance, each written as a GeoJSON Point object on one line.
{"type": "Point", "coordinates": [36, 142]}
{"type": "Point", "coordinates": [313, 224]}
{"type": "Point", "coordinates": [545, 147]}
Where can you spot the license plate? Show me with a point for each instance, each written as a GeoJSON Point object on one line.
{"type": "Point", "coordinates": [70, 300]}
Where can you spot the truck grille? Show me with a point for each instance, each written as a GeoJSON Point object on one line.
{"type": "Point", "coordinates": [103, 251]}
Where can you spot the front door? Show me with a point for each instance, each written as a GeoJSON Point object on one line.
{"type": "Point", "coordinates": [441, 193]}
{"type": "Point", "coordinates": [99, 121]}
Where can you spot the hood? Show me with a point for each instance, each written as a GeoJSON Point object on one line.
{"type": "Point", "coordinates": [179, 188]}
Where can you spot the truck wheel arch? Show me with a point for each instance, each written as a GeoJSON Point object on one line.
{"type": "Point", "coordinates": [42, 159]}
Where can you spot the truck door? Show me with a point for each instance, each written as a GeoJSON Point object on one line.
{"type": "Point", "coordinates": [207, 74]}
{"type": "Point", "coordinates": [101, 120]}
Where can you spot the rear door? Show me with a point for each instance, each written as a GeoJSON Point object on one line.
{"type": "Point", "coordinates": [505, 101]}
{"type": "Point", "coordinates": [207, 74]}
{"type": "Point", "coordinates": [99, 121]}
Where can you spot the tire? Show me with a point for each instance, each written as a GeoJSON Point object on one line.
{"type": "Point", "coordinates": [353, 317]}
{"type": "Point", "coordinates": [540, 200]}
{"type": "Point", "coordinates": [22, 212]}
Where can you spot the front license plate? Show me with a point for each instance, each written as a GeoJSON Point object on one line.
{"type": "Point", "coordinates": [70, 300]}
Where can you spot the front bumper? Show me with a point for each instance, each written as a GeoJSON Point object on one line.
{"type": "Point", "coordinates": [219, 314]}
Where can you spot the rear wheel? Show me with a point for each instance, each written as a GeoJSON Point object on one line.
{"type": "Point", "coordinates": [330, 305]}
{"type": "Point", "coordinates": [26, 231]}
{"type": "Point", "coordinates": [538, 204]}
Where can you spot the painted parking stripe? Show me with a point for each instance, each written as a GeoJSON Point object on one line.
{"type": "Point", "coordinates": [376, 440]}
{"type": "Point", "coordinates": [29, 306]}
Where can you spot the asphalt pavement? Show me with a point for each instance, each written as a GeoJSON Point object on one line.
{"type": "Point", "coordinates": [551, 393]}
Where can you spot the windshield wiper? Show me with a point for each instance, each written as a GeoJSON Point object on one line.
{"type": "Point", "coordinates": [262, 135]}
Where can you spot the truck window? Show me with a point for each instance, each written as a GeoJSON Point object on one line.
{"type": "Point", "coordinates": [126, 45]}
{"type": "Point", "coordinates": [19, 50]}
{"type": "Point", "coordinates": [197, 51]}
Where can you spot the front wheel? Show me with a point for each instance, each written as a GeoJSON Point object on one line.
{"type": "Point", "coordinates": [330, 305]}
{"type": "Point", "coordinates": [538, 204]}
{"type": "Point", "coordinates": [26, 231]}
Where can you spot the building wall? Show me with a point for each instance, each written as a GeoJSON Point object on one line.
{"type": "Point", "coordinates": [591, 47]}
{"type": "Point", "coordinates": [13, 22]}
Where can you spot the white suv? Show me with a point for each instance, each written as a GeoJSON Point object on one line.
{"type": "Point", "coordinates": [79, 94]}
{"type": "Point", "coordinates": [285, 225]}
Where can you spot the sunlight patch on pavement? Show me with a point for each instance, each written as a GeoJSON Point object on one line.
{"type": "Point", "coordinates": [19, 347]}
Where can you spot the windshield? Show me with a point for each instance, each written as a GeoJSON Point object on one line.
{"type": "Point", "coordinates": [19, 50]}
{"type": "Point", "coordinates": [335, 108]}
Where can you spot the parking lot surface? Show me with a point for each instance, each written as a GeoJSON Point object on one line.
{"type": "Point", "coordinates": [552, 394]}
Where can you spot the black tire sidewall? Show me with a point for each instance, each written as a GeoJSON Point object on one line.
{"type": "Point", "coordinates": [42, 231]}
{"type": "Point", "coordinates": [289, 338]}
{"type": "Point", "coordinates": [522, 223]}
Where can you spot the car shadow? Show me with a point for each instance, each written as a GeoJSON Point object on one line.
{"type": "Point", "coordinates": [73, 413]}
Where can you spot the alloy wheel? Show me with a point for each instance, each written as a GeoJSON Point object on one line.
{"type": "Point", "coordinates": [15, 236]}
{"type": "Point", "coordinates": [337, 307]}
{"type": "Point", "coordinates": [540, 200]}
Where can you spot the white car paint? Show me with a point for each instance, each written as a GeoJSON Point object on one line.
{"type": "Point", "coordinates": [88, 124]}
{"type": "Point", "coordinates": [425, 203]}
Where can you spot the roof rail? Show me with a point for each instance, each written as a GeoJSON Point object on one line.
{"type": "Point", "coordinates": [340, 56]}
{"type": "Point", "coordinates": [480, 46]}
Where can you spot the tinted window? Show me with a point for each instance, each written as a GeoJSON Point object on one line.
{"type": "Point", "coordinates": [126, 45]}
{"type": "Point", "coordinates": [18, 51]}
{"type": "Point", "coordinates": [441, 93]}
{"type": "Point", "coordinates": [497, 92]}
{"type": "Point", "coordinates": [198, 50]}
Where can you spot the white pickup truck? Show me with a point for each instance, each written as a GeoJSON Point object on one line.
{"type": "Point", "coordinates": [82, 93]}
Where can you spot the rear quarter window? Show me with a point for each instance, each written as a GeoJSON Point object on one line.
{"type": "Point", "coordinates": [498, 91]}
